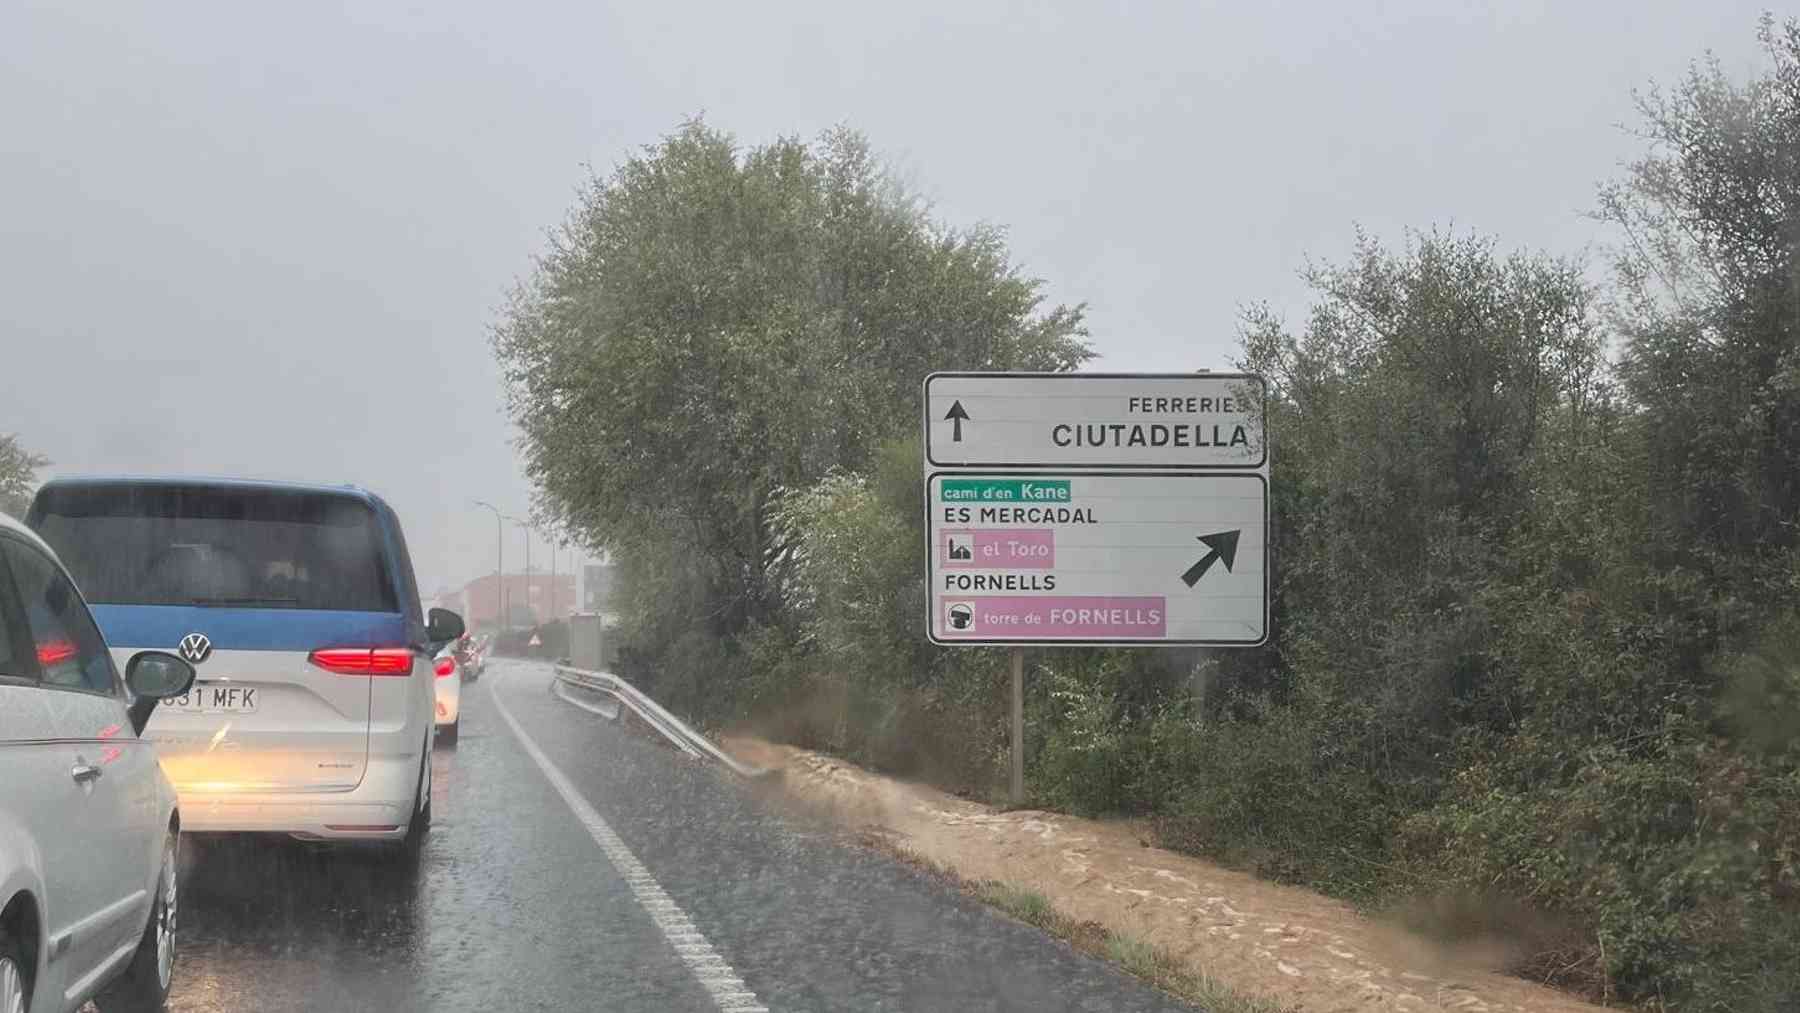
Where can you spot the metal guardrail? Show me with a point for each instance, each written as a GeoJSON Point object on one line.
{"type": "Point", "coordinates": [609, 710]}
{"type": "Point", "coordinates": [653, 714]}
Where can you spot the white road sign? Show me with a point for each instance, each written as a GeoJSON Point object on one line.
{"type": "Point", "coordinates": [1061, 557]}
{"type": "Point", "coordinates": [1186, 421]}
{"type": "Point", "coordinates": [1077, 508]}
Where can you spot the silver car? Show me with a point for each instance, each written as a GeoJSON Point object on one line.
{"type": "Point", "coordinates": [88, 823]}
{"type": "Point", "coordinates": [312, 714]}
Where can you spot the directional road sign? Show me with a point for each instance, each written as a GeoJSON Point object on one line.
{"type": "Point", "coordinates": [1096, 509]}
{"type": "Point", "coordinates": [1062, 557]}
{"type": "Point", "coordinates": [1183, 421]}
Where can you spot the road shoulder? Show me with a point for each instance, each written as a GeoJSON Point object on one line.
{"type": "Point", "coordinates": [1263, 939]}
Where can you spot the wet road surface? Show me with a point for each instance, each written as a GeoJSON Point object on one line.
{"type": "Point", "coordinates": [572, 865]}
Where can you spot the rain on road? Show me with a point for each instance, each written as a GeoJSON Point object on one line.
{"type": "Point", "coordinates": [642, 882]}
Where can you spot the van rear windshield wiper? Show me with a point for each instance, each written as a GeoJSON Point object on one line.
{"type": "Point", "coordinates": [241, 600]}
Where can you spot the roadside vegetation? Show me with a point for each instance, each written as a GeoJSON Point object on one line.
{"type": "Point", "coordinates": [18, 475]}
{"type": "Point", "coordinates": [1536, 649]}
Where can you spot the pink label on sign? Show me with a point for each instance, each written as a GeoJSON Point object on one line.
{"type": "Point", "coordinates": [1050, 617]}
{"type": "Point", "coordinates": [998, 549]}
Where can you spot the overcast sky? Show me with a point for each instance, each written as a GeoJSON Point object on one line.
{"type": "Point", "coordinates": [270, 238]}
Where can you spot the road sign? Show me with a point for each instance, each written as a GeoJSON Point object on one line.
{"type": "Point", "coordinates": [1073, 508]}
{"type": "Point", "coordinates": [1098, 558]}
{"type": "Point", "coordinates": [1185, 421]}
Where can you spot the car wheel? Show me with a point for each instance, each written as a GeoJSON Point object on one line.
{"type": "Point", "coordinates": [448, 733]}
{"type": "Point", "coordinates": [409, 847]}
{"type": "Point", "coordinates": [421, 822]}
{"type": "Point", "coordinates": [14, 997]}
{"type": "Point", "coordinates": [145, 983]}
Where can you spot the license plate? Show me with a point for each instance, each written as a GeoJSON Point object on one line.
{"type": "Point", "coordinates": [216, 699]}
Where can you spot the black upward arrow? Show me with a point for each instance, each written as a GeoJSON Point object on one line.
{"type": "Point", "coordinates": [1224, 549]}
{"type": "Point", "coordinates": [958, 417]}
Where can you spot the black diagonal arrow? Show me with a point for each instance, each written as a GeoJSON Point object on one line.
{"type": "Point", "coordinates": [957, 416]}
{"type": "Point", "coordinates": [1224, 550]}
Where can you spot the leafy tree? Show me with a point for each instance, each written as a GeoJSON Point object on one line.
{"type": "Point", "coordinates": [714, 324]}
{"type": "Point", "coordinates": [18, 475]}
{"type": "Point", "coordinates": [1646, 780]}
{"type": "Point", "coordinates": [1709, 280]}
{"type": "Point", "coordinates": [1410, 417]}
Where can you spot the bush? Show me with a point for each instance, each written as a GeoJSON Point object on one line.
{"type": "Point", "coordinates": [1674, 839]}
{"type": "Point", "coordinates": [1268, 794]}
{"type": "Point", "coordinates": [850, 670]}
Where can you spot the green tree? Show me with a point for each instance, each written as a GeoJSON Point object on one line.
{"type": "Point", "coordinates": [18, 475]}
{"type": "Point", "coordinates": [1410, 421]}
{"type": "Point", "coordinates": [1646, 785]}
{"type": "Point", "coordinates": [714, 324]}
{"type": "Point", "coordinates": [1709, 281]}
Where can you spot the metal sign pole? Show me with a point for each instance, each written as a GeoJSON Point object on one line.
{"type": "Point", "coordinates": [1018, 725]}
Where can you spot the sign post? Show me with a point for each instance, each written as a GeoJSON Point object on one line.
{"type": "Point", "coordinates": [1016, 784]}
{"type": "Point", "coordinates": [1095, 509]}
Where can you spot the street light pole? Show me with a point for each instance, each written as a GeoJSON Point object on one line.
{"type": "Point", "coordinates": [499, 567]}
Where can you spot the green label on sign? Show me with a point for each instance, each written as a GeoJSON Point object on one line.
{"type": "Point", "coordinates": [1004, 490]}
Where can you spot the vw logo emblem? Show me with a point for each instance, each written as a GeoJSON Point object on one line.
{"type": "Point", "coordinates": [196, 648]}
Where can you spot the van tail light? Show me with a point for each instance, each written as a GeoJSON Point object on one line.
{"type": "Point", "coordinates": [445, 666]}
{"type": "Point", "coordinates": [364, 660]}
{"type": "Point", "coordinates": [55, 652]}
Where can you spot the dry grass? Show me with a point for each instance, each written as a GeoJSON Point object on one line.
{"type": "Point", "coordinates": [1141, 959]}
{"type": "Point", "coordinates": [1028, 906]}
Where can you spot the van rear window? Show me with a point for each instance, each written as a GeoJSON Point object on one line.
{"type": "Point", "coordinates": [134, 544]}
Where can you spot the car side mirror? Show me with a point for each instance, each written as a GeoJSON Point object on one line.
{"type": "Point", "coordinates": [154, 676]}
{"type": "Point", "coordinates": [158, 674]}
{"type": "Point", "coordinates": [443, 626]}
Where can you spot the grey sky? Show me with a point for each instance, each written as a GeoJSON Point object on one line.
{"type": "Point", "coordinates": [269, 239]}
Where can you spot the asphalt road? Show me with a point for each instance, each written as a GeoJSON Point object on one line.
{"type": "Point", "coordinates": [572, 865]}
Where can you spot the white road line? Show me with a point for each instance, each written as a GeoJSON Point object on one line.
{"type": "Point", "coordinates": [709, 969]}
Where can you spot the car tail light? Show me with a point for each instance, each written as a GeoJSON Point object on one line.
{"type": "Point", "coordinates": [364, 660]}
{"type": "Point", "coordinates": [445, 666]}
{"type": "Point", "coordinates": [55, 652]}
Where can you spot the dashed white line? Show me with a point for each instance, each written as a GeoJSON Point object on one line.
{"type": "Point", "coordinates": [712, 971]}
